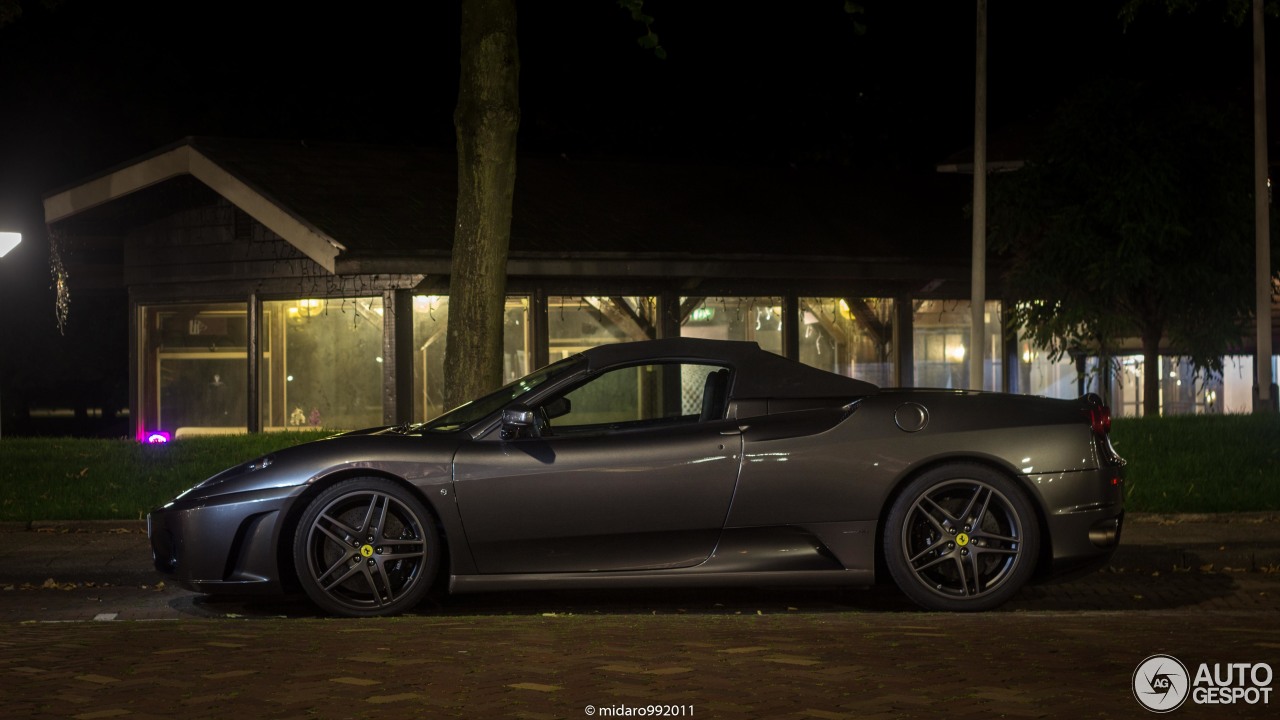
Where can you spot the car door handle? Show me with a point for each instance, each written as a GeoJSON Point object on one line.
{"type": "Point", "coordinates": [735, 431]}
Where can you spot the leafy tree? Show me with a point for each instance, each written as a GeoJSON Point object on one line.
{"type": "Point", "coordinates": [11, 10]}
{"type": "Point", "coordinates": [1132, 218]}
{"type": "Point", "coordinates": [1235, 11]}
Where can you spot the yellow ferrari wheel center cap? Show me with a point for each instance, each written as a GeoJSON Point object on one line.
{"type": "Point", "coordinates": [366, 551]}
{"type": "Point", "coordinates": [962, 539]}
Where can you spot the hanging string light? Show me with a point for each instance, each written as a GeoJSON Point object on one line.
{"type": "Point", "coordinates": [61, 282]}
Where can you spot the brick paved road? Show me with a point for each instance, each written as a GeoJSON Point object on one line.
{"type": "Point", "coordinates": [796, 665]}
{"type": "Point", "coordinates": [1066, 650]}
{"type": "Point", "coordinates": [1057, 651]}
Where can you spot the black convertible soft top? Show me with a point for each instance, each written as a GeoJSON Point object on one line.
{"type": "Point", "coordinates": [758, 373]}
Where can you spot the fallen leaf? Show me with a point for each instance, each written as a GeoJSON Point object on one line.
{"type": "Point", "coordinates": [52, 584]}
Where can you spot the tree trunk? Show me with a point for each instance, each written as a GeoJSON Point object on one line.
{"type": "Point", "coordinates": [486, 121]}
{"type": "Point", "coordinates": [1151, 371]}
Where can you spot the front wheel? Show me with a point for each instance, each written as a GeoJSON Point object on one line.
{"type": "Point", "coordinates": [366, 547]}
{"type": "Point", "coordinates": [961, 537]}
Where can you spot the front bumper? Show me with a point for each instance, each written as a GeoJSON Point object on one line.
{"type": "Point", "coordinates": [223, 544]}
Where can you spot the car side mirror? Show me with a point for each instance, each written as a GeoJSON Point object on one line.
{"type": "Point", "coordinates": [516, 419]}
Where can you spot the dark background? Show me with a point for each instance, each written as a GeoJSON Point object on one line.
{"type": "Point", "coordinates": [89, 85]}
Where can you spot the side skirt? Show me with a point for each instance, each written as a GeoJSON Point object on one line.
{"type": "Point", "coordinates": [655, 579]}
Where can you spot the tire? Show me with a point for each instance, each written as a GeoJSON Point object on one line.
{"type": "Point", "coordinates": [961, 537]}
{"type": "Point", "coordinates": [366, 547]}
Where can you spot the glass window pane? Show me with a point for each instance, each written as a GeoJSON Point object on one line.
{"type": "Point", "coordinates": [1183, 391]}
{"type": "Point", "coordinates": [1237, 384]}
{"type": "Point", "coordinates": [578, 322]}
{"type": "Point", "coordinates": [1236, 394]}
{"type": "Point", "coordinates": [848, 336]}
{"type": "Point", "coordinates": [192, 368]}
{"type": "Point", "coordinates": [941, 344]}
{"type": "Point", "coordinates": [1126, 386]}
{"type": "Point", "coordinates": [757, 319]}
{"type": "Point", "coordinates": [430, 322]}
{"type": "Point", "coordinates": [1038, 375]}
{"type": "Point", "coordinates": [643, 396]}
{"type": "Point", "coordinates": [324, 366]}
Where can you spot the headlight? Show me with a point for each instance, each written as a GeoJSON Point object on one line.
{"type": "Point", "coordinates": [258, 464]}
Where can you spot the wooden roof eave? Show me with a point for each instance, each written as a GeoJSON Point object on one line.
{"type": "Point", "coordinates": [184, 159]}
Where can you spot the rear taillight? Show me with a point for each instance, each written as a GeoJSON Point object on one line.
{"type": "Point", "coordinates": [1099, 418]}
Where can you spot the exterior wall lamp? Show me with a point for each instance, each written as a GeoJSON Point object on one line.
{"type": "Point", "coordinates": [9, 241]}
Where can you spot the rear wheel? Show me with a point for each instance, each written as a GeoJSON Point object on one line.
{"type": "Point", "coordinates": [366, 547]}
{"type": "Point", "coordinates": [961, 537]}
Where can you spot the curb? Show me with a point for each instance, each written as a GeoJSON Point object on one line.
{"type": "Point", "coordinates": [1253, 518]}
{"type": "Point", "coordinates": [74, 526]}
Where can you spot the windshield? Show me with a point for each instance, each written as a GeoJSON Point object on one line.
{"type": "Point", "coordinates": [477, 410]}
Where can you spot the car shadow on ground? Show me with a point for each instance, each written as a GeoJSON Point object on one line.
{"type": "Point", "coordinates": [1114, 589]}
{"type": "Point", "coordinates": [1109, 590]}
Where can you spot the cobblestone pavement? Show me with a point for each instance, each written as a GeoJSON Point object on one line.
{"type": "Point", "coordinates": [796, 665]}
{"type": "Point", "coordinates": [99, 637]}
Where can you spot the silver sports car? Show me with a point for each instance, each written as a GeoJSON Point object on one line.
{"type": "Point", "coordinates": [676, 462]}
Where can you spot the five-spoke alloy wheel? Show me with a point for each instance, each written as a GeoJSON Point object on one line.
{"type": "Point", "coordinates": [365, 547]}
{"type": "Point", "coordinates": [961, 537]}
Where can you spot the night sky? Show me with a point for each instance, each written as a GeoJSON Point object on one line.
{"type": "Point", "coordinates": [92, 84]}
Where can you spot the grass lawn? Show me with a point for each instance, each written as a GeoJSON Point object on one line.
{"type": "Point", "coordinates": [1200, 463]}
{"type": "Point", "coordinates": [1176, 464]}
{"type": "Point", "coordinates": [84, 479]}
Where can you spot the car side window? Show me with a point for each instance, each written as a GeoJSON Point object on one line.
{"type": "Point", "coordinates": [639, 396]}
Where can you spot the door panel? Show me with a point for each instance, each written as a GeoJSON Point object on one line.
{"type": "Point", "coordinates": [630, 500]}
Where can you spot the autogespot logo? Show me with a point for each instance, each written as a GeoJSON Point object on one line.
{"type": "Point", "coordinates": [1160, 683]}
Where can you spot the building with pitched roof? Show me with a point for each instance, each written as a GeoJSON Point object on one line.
{"type": "Point", "coordinates": [275, 285]}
